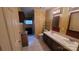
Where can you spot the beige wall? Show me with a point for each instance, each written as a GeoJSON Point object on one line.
{"type": "Point", "coordinates": [19, 9]}
{"type": "Point", "coordinates": [39, 20]}
{"type": "Point", "coordinates": [64, 20]}
{"type": "Point", "coordinates": [48, 19]}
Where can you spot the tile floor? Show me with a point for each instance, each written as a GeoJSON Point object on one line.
{"type": "Point", "coordinates": [35, 44]}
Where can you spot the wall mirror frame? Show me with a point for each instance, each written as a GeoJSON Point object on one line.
{"type": "Point", "coordinates": [55, 23]}
{"type": "Point", "coordinates": [72, 30]}
{"type": "Point", "coordinates": [56, 20]}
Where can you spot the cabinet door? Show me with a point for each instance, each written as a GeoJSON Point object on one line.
{"type": "Point", "coordinates": [12, 21]}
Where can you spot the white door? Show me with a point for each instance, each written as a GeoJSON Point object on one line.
{"type": "Point", "coordinates": [4, 38]}
{"type": "Point", "coordinates": [12, 21]}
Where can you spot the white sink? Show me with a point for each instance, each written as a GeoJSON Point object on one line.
{"type": "Point", "coordinates": [60, 37]}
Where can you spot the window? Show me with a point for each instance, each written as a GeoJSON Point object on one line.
{"type": "Point", "coordinates": [28, 21]}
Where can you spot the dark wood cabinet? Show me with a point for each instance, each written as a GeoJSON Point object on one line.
{"type": "Point", "coordinates": [21, 16]}
{"type": "Point", "coordinates": [54, 46]}
{"type": "Point", "coordinates": [24, 38]}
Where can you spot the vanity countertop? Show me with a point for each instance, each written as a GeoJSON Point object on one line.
{"type": "Point", "coordinates": [63, 40]}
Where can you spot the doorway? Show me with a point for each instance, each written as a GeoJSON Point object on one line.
{"type": "Point", "coordinates": [26, 18]}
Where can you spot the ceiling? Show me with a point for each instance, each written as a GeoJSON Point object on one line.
{"type": "Point", "coordinates": [27, 10]}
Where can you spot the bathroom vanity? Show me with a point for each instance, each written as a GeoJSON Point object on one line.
{"type": "Point", "coordinates": [59, 42]}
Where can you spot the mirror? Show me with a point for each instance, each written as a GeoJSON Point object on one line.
{"type": "Point", "coordinates": [56, 18]}
{"type": "Point", "coordinates": [73, 27]}
{"type": "Point", "coordinates": [55, 23]}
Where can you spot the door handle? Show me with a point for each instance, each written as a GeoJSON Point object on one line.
{"type": "Point", "coordinates": [19, 41]}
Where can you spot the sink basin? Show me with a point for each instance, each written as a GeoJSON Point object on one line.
{"type": "Point", "coordinates": [60, 37]}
